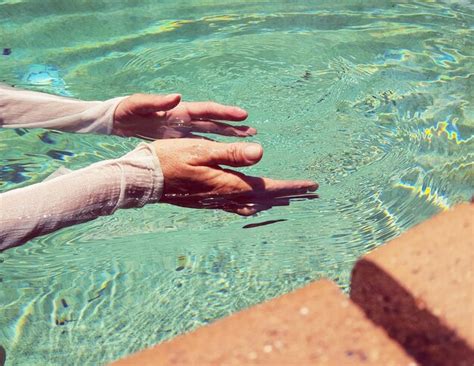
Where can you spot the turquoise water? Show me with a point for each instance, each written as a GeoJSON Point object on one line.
{"type": "Point", "coordinates": [371, 99]}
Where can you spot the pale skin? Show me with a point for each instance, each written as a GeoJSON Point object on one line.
{"type": "Point", "coordinates": [192, 166]}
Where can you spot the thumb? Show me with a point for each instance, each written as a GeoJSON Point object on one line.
{"type": "Point", "coordinates": [150, 103]}
{"type": "Point", "coordinates": [234, 154]}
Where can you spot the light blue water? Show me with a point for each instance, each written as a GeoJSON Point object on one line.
{"type": "Point", "coordinates": [371, 99]}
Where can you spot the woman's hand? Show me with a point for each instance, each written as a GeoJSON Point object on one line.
{"type": "Point", "coordinates": [193, 177]}
{"type": "Point", "coordinates": [163, 116]}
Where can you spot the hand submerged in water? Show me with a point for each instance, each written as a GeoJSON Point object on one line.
{"type": "Point", "coordinates": [165, 116]}
{"type": "Point", "coordinates": [193, 177]}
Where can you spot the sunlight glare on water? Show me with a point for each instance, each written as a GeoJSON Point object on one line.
{"type": "Point", "coordinates": [373, 101]}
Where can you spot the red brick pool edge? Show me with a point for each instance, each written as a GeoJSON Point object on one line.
{"type": "Point", "coordinates": [411, 302]}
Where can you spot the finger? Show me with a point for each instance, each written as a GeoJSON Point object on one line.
{"type": "Point", "coordinates": [244, 209]}
{"type": "Point", "coordinates": [223, 129]}
{"type": "Point", "coordinates": [149, 103]}
{"type": "Point", "coordinates": [255, 188]}
{"type": "Point", "coordinates": [278, 188]}
{"type": "Point", "coordinates": [172, 133]}
{"type": "Point", "coordinates": [234, 154]}
{"type": "Point", "coordinates": [212, 110]}
{"type": "Point", "coordinates": [269, 202]}
{"type": "Point", "coordinates": [198, 137]}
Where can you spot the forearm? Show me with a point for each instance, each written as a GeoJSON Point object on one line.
{"type": "Point", "coordinates": [28, 109]}
{"type": "Point", "coordinates": [80, 196]}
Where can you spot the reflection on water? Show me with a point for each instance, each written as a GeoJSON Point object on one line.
{"type": "Point", "coordinates": [372, 101]}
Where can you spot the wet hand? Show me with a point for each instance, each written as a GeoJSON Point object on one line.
{"type": "Point", "coordinates": [165, 116]}
{"type": "Point", "coordinates": [194, 177]}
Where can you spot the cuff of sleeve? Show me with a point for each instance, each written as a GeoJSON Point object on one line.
{"type": "Point", "coordinates": [104, 116]}
{"type": "Point", "coordinates": [142, 177]}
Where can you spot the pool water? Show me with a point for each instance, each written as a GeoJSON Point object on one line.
{"type": "Point", "coordinates": [372, 99]}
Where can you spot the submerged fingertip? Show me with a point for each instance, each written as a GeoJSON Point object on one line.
{"type": "Point", "coordinates": [245, 133]}
{"type": "Point", "coordinates": [247, 211]}
{"type": "Point", "coordinates": [251, 131]}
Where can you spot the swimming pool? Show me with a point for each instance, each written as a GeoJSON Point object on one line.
{"type": "Point", "coordinates": [372, 101]}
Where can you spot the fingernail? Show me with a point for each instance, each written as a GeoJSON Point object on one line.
{"type": "Point", "coordinates": [253, 152]}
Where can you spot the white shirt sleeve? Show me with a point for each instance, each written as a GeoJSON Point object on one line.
{"type": "Point", "coordinates": [79, 196]}
{"type": "Point", "coordinates": [28, 109]}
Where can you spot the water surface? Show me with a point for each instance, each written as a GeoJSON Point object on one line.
{"type": "Point", "coordinates": [372, 101]}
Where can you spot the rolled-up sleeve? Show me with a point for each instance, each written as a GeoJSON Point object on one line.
{"type": "Point", "coordinates": [79, 196]}
{"type": "Point", "coordinates": [28, 109]}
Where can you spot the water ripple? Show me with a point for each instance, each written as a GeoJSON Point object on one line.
{"type": "Point", "coordinates": [372, 102]}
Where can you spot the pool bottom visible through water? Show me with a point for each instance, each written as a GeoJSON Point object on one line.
{"type": "Point", "coordinates": [372, 100]}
